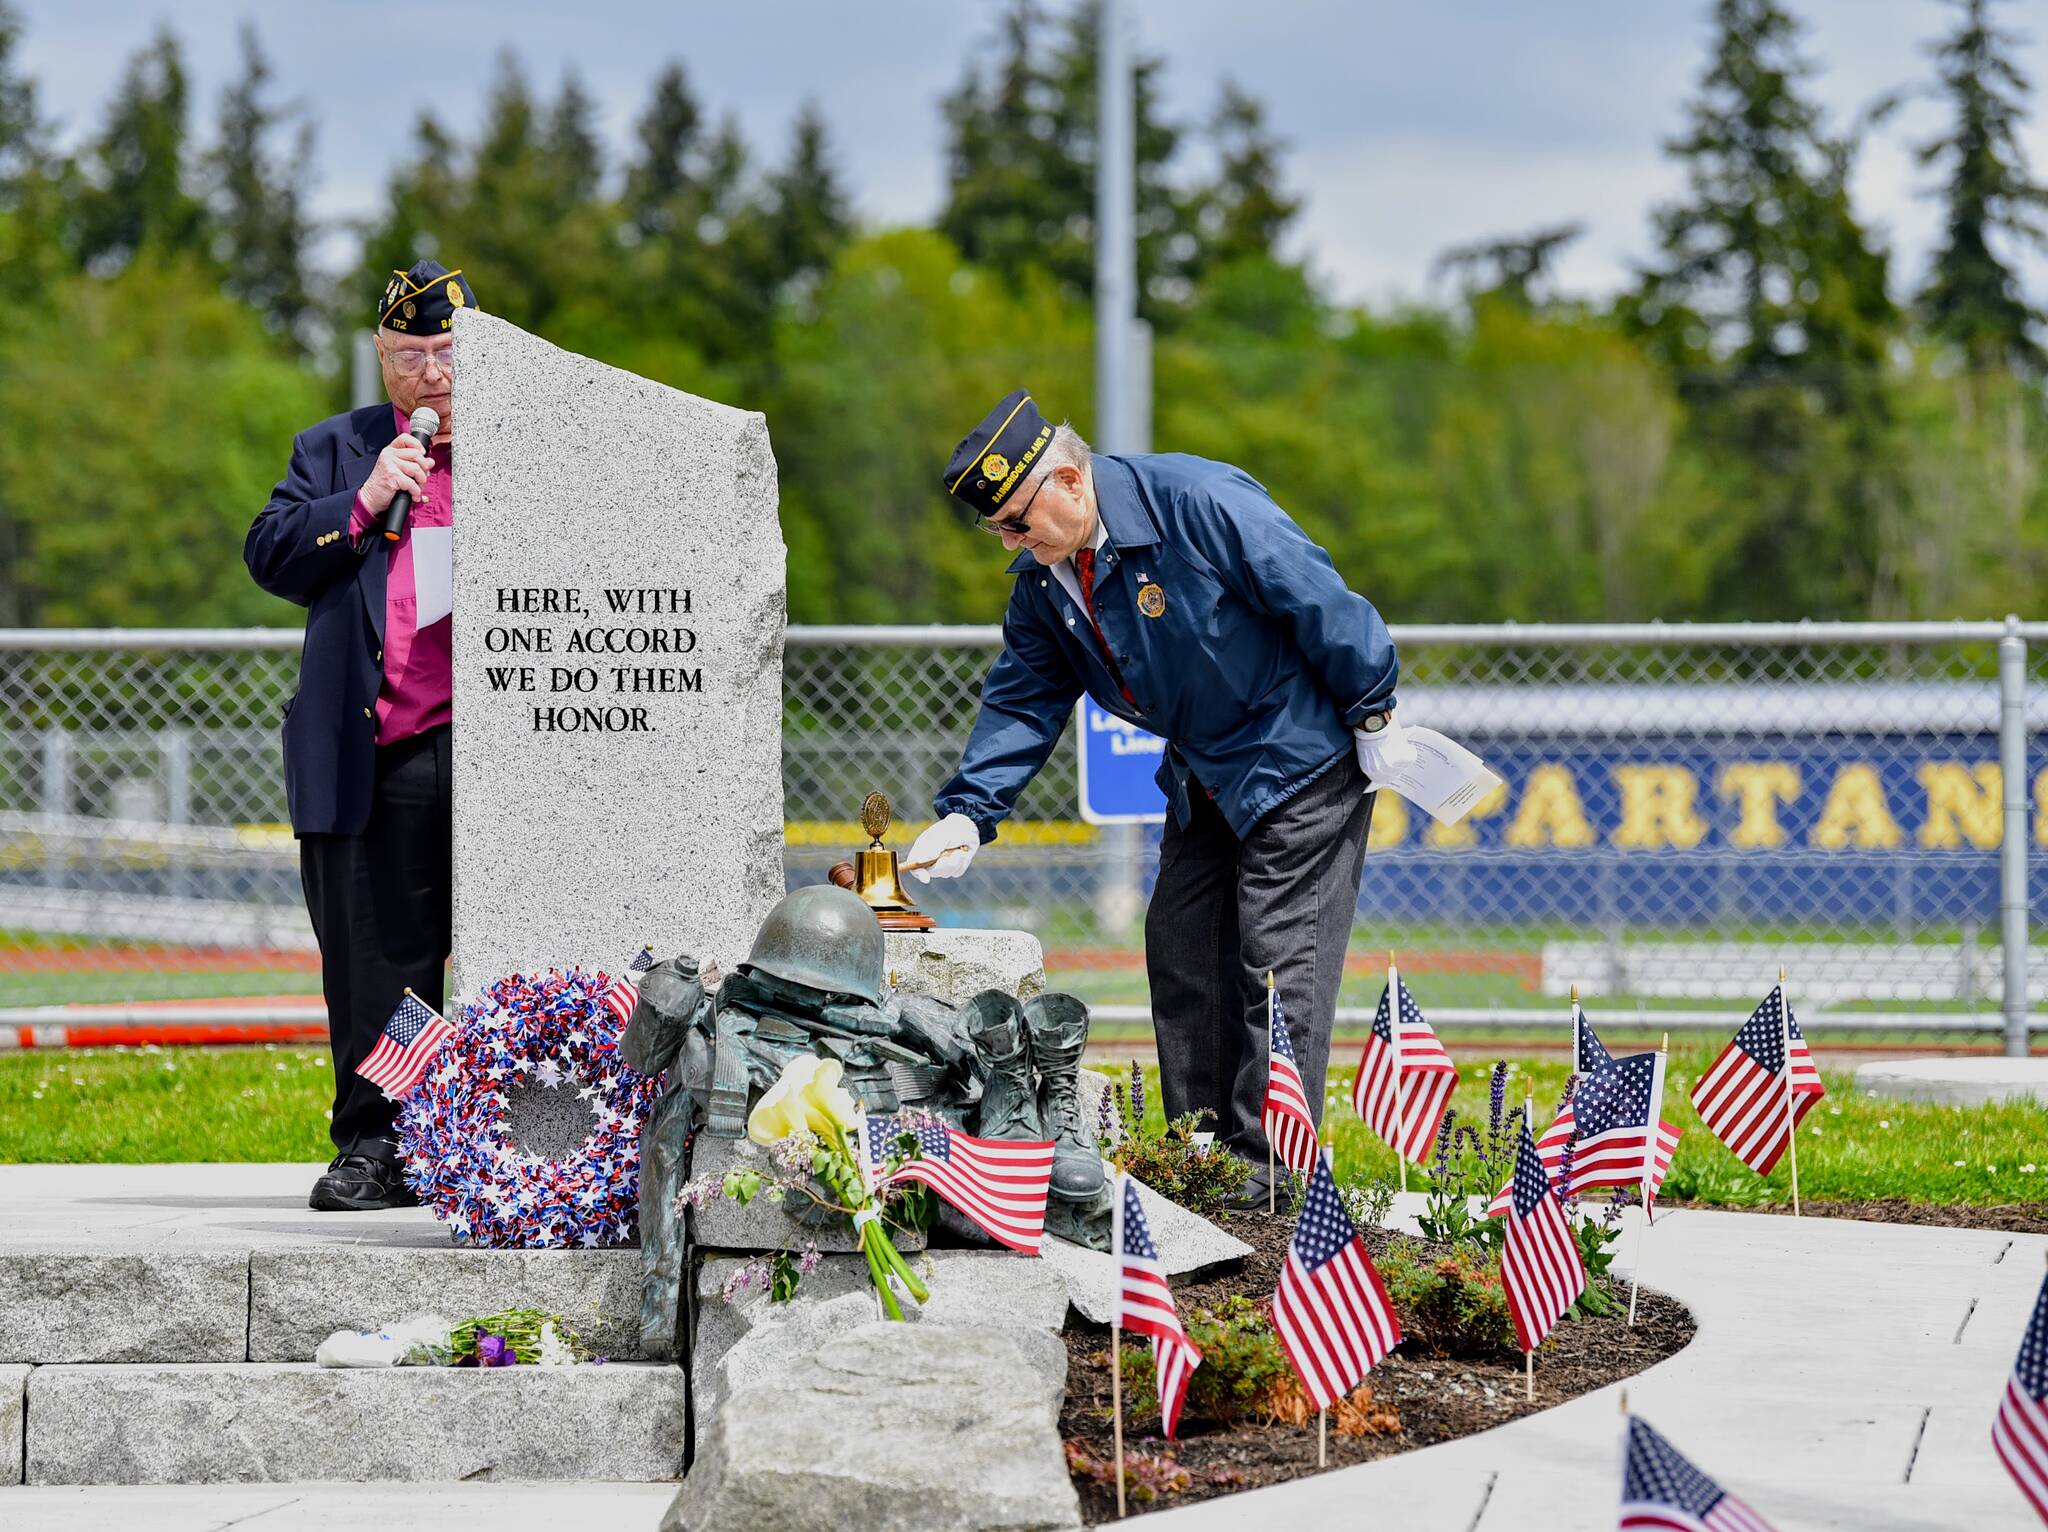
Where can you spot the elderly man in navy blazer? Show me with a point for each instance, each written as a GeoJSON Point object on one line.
{"type": "Point", "coordinates": [366, 757]}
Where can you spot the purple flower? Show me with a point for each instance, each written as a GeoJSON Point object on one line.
{"type": "Point", "coordinates": [492, 1351]}
{"type": "Point", "coordinates": [793, 1154]}
{"type": "Point", "coordinates": [1497, 1096]}
{"type": "Point", "coordinates": [1102, 1115]}
{"type": "Point", "coordinates": [1443, 1144]}
{"type": "Point", "coordinates": [1137, 1096]}
{"type": "Point", "coordinates": [808, 1261]}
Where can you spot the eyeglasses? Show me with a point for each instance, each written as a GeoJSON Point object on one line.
{"type": "Point", "coordinates": [1013, 526]}
{"type": "Point", "coordinates": [408, 362]}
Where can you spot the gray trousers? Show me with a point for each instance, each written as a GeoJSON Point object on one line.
{"type": "Point", "coordinates": [1223, 912]}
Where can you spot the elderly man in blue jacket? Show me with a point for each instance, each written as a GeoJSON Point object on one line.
{"type": "Point", "coordinates": [1179, 596]}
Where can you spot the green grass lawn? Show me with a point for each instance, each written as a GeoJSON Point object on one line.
{"type": "Point", "coordinates": [173, 1104]}
{"type": "Point", "coordinates": [271, 1104]}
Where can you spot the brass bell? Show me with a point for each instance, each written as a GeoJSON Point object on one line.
{"type": "Point", "coordinates": [873, 874]}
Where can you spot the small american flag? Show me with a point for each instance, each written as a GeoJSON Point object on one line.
{"type": "Point", "coordinates": [1144, 1303]}
{"type": "Point", "coordinates": [1741, 1097]}
{"type": "Point", "coordinates": [623, 994]}
{"type": "Point", "coordinates": [1331, 1311]}
{"type": "Point", "coordinates": [1549, 1149]}
{"type": "Point", "coordinates": [1539, 1262]}
{"type": "Point", "coordinates": [999, 1183]}
{"type": "Point", "coordinates": [411, 1038]}
{"type": "Point", "coordinates": [1424, 1073]}
{"type": "Point", "coordinates": [2020, 1431]}
{"type": "Point", "coordinates": [1588, 1052]}
{"type": "Point", "coordinates": [1612, 1110]}
{"type": "Point", "coordinates": [1661, 1490]}
{"type": "Point", "coordinates": [1289, 1125]}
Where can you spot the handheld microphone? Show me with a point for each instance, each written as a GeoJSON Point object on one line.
{"type": "Point", "coordinates": [424, 423]}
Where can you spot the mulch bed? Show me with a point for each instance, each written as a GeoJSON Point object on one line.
{"type": "Point", "coordinates": [2008, 1218]}
{"type": "Point", "coordinates": [1437, 1399]}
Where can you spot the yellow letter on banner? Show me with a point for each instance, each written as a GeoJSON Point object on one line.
{"type": "Point", "coordinates": [1963, 801]}
{"type": "Point", "coordinates": [1856, 814]}
{"type": "Point", "coordinates": [1758, 787]}
{"type": "Point", "coordinates": [1657, 808]}
{"type": "Point", "coordinates": [2041, 810]}
{"type": "Point", "coordinates": [1551, 813]}
{"type": "Point", "coordinates": [1443, 837]}
{"type": "Point", "coordinates": [1389, 821]}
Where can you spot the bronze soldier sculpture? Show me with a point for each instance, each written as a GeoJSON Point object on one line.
{"type": "Point", "coordinates": [815, 982]}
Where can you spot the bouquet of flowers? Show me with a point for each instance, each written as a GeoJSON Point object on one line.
{"type": "Point", "coordinates": [811, 1126]}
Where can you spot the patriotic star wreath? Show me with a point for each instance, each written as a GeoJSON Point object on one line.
{"type": "Point", "coordinates": [455, 1138]}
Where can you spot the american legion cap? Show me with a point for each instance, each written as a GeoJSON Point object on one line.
{"type": "Point", "coordinates": [993, 458]}
{"type": "Point", "coordinates": [423, 301]}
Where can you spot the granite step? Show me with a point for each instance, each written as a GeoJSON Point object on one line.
{"type": "Point", "coordinates": [276, 1303]}
{"type": "Point", "coordinates": [273, 1422]}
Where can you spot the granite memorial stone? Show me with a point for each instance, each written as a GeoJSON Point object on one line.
{"type": "Point", "coordinates": [618, 670]}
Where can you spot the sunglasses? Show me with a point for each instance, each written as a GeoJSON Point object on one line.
{"type": "Point", "coordinates": [1013, 526]}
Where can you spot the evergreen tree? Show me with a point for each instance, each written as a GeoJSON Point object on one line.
{"type": "Point", "coordinates": [1973, 298]}
{"type": "Point", "coordinates": [571, 153]}
{"type": "Point", "coordinates": [808, 217]}
{"type": "Point", "coordinates": [1765, 252]}
{"type": "Point", "coordinates": [666, 167]}
{"type": "Point", "coordinates": [1247, 209]}
{"type": "Point", "coordinates": [1773, 306]}
{"type": "Point", "coordinates": [261, 227]}
{"type": "Point", "coordinates": [138, 195]}
{"type": "Point", "coordinates": [1509, 268]}
{"type": "Point", "coordinates": [36, 197]}
{"type": "Point", "coordinates": [1021, 162]}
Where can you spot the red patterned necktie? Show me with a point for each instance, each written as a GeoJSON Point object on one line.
{"type": "Point", "coordinates": [1084, 568]}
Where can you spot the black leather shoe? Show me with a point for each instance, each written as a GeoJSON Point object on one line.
{"type": "Point", "coordinates": [361, 1183]}
{"type": "Point", "coordinates": [1251, 1197]}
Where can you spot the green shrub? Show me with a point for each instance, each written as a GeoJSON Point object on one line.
{"type": "Point", "coordinates": [1242, 1364]}
{"type": "Point", "coordinates": [1201, 1178]}
{"type": "Point", "coordinates": [1450, 1302]}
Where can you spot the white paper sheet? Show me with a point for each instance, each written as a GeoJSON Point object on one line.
{"type": "Point", "coordinates": [1444, 780]}
{"type": "Point", "coordinates": [432, 574]}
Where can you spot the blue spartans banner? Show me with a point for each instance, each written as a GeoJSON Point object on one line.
{"type": "Point", "coordinates": [1875, 829]}
{"type": "Point", "coordinates": [1898, 829]}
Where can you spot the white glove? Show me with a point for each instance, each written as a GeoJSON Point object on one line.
{"type": "Point", "coordinates": [1380, 753]}
{"type": "Point", "coordinates": [948, 845]}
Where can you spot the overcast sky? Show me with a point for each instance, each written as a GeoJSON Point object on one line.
{"type": "Point", "coordinates": [1411, 126]}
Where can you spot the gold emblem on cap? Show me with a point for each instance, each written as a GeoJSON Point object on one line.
{"type": "Point", "coordinates": [409, 310]}
{"type": "Point", "coordinates": [455, 292]}
{"type": "Point", "coordinates": [995, 465]}
{"type": "Point", "coordinates": [1151, 600]}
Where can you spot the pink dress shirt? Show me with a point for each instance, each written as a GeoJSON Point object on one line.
{"type": "Point", "coordinates": [418, 661]}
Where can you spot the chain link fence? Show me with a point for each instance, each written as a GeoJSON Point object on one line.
{"type": "Point", "coordinates": [1683, 810]}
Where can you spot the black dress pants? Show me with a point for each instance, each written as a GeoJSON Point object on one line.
{"type": "Point", "coordinates": [381, 907]}
{"type": "Point", "coordinates": [1224, 911]}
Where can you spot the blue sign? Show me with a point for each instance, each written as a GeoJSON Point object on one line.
{"type": "Point", "coordinates": [1118, 762]}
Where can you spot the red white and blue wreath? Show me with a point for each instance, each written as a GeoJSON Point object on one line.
{"type": "Point", "coordinates": [455, 1137]}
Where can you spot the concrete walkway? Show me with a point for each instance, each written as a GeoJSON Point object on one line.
{"type": "Point", "coordinates": [516, 1507]}
{"type": "Point", "coordinates": [1844, 1376]}
{"type": "Point", "coordinates": [122, 1208]}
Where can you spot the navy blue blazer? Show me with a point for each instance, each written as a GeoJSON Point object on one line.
{"type": "Point", "coordinates": [299, 548]}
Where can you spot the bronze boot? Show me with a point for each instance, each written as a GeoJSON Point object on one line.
{"type": "Point", "coordinates": [1058, 1026]}
{"type": "Point", "coordinates": [1009, 1107]}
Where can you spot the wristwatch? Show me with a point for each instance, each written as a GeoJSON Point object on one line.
{"type": "Point", "coordinates": [1372, 723]}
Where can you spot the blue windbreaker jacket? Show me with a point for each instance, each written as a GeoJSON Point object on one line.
{"type": "Point", "coordinates": [1237, 637]}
